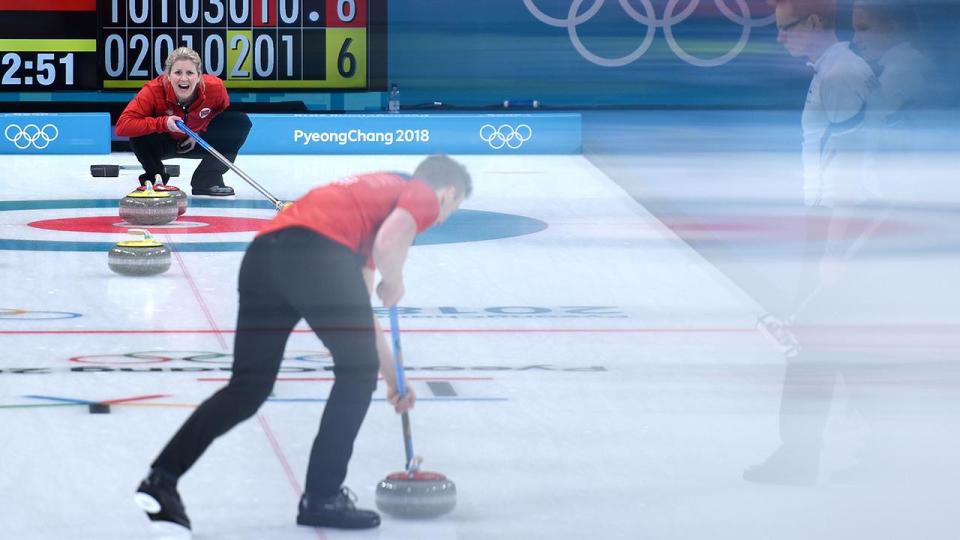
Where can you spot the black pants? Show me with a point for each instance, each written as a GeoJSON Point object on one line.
{"type": "Point", "coordinates": [285, 276]}
{"type": "Point", "coordinates": [226, 133]}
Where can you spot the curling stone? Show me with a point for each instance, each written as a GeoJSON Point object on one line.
{"type": "Point", "coordinates": [416, 494]}
{"type": "Point", "coordinates": [177, 193]}
{"type": "Point", "coordinates": [144, 256]}
{"type": "Point", "coordinates": [149, 207]}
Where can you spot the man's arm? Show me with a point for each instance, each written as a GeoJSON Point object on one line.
{"type": "Point", "coordinates": [390, 248]}
{"type": "Point", "coordinates": [844, 92]}
{"type": "Point", "coordinates": [384, 353]}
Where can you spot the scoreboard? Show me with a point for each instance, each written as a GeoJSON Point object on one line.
{"type": "Point", "coordinates": [251, 44]}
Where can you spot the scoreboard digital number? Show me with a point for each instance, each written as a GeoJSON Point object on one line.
{"type": "Point", "coordinates": [250, 44]}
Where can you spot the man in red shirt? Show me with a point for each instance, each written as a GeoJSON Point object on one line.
{"type": "Point", "coordinates": [316, 261]}
{"type": "Point", "coordinates": [200, 101]}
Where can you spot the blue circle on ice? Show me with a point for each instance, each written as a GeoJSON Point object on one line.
{"type": "Point", "coordinates": [463, 226]}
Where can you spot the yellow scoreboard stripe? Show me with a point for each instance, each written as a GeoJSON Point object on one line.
{"type": "Point", "coordinates": [234, 83]}
{"type": "Point", "coordinates": [260, 83]}
{"type": "Point", "coordinates": [48, 45]}
{"type": "Point", "coordinates": [124, 84]}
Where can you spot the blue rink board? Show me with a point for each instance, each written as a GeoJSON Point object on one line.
{"type": "Point", "coordinates": [54, 133]}
{"type": "Point", "coordinates": [415, 134]}
{"type": "Point", "coordinates": [279, 134]}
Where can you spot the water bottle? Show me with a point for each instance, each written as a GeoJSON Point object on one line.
{"type": "Point", "coordinates": [521, 103]}
{"type": "Point", "coordinates": [393, 103]}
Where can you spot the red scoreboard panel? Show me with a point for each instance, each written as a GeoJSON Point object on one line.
{"type": "Point", "coordinates": [250, 44]}
{"type": "Point", "coordinates": [48, 45]}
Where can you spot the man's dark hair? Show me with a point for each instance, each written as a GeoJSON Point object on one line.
{"type": "Point", "coordinates": [898, 13]}
{"type": "Point", "coordinates": [440, 170]}
{"type": "Point", "coordinates": [825, 10]}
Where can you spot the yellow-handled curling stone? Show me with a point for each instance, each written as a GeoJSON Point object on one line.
{"type": "Point", "coordinates": [149, 207]}
{"type": "Point", "coordinates": [142, 256]}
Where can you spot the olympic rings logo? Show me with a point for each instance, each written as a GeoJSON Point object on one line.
{"type": "Point", "coordinates": [505, 135]}
{"type": "Point", "coordinates": [31, 135]}
{"type": "Point", "coordinates": [649, 18]}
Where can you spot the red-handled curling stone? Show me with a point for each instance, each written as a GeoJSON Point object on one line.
{"type": "Point", "coordinates": [177, 194]}
{"type": "Point", "coordinates": [412, 493]}
{"type": "Point", "coordinates": [416, 494]}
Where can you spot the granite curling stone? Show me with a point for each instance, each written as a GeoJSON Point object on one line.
{"type": "Point", "coordinates": [144, 256]}
{"type": "Point", "coordinates": [149, 207]}
{"type": "Point", "coordinates": [177, 194]}
{"type": "Point", "coordinates": [416, 494]}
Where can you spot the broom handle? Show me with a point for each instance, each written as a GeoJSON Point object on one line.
{"type": "Point", "coordinates": [401, 386]}
{"type": "Point", "coordinates": [213, 151]}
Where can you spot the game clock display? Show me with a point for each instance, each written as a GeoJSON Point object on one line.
{"type": "Point", "coordinates": [250, 44]}
{"type": "Point", "coordinates": [47, 70]}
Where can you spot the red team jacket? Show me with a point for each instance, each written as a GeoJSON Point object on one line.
{"type": "Point", "coordinates": [147, 113]}
{"type": "Point", "coordinates": [350, 211]}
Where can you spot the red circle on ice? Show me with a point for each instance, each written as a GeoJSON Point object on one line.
{"type": "Point", "coordinates": [183, 225]}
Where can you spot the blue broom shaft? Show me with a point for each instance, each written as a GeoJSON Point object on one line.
{"type": "Point", "coordinates": [193, 135]}
{"type": "Point", "coordinates": [401, 384]}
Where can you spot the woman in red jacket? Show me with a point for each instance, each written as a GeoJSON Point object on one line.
{"type": "Point", "coordinates": [200, 101]}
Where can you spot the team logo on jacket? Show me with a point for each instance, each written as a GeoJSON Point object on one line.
{"type": "Point", "coordinates": [205, 112]}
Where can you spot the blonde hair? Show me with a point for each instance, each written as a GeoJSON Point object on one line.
{"type": "Point", "coordinates": [183, 53]}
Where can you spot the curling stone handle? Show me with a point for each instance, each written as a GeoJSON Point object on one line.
{"type": "Point", "coordinates": [142, 232]}
{"type": "Point", "coordinates": [412, 463]}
